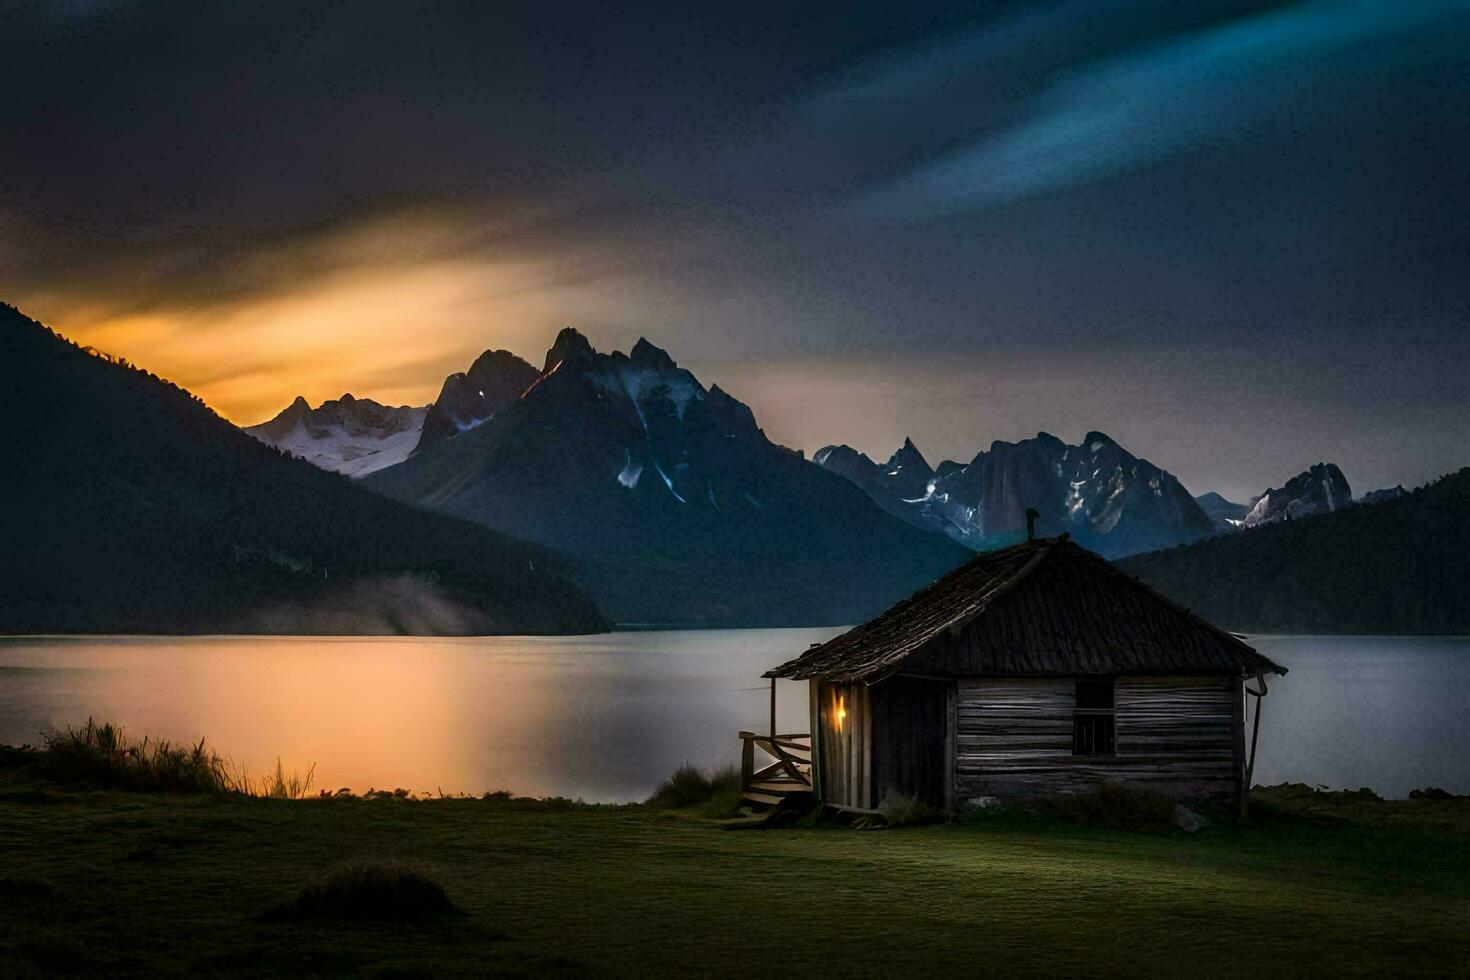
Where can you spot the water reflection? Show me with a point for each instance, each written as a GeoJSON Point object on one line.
{"type": "Point", "coordinates": [601, 717]}
{"type": "Point", "coordinates": [606, 717]}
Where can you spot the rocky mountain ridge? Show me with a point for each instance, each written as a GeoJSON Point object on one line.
{"type": "Point", "coordinates": [1105, 497]}
{"type": "Point", "coordinates": [671, 500]}
{"type": "Point", "coordinates": [348, 435]}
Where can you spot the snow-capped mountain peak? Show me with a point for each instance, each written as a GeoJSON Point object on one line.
{"type": "Point", "coordinates": [1097, 491]}
{"type": "Point", "coordinates": [675, 504]}
{"type": "Point", "coordinates": [355, 436]}
{"type": "Point", "coordinates": [1321, 489]}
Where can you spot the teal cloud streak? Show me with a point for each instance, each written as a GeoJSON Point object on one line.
{"type": "Point", "coordinates": [1130, 110]}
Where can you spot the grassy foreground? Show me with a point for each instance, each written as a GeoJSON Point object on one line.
{"type": "Point", "coordinates": [149, 883]}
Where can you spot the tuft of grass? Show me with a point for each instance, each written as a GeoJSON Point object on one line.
{"type": "Point", "coordinates": [103, 756]}
{"type": "Point", "coordinates": [279, 785]}
{"type": "Point", "coordinates": [907, 811]}
{"type": "Point", "coordinates": [382, 891]}
{"type": "Point", "coordinates": [725, 794]}
{"type": "Point", "coordinates": [717, 793]}
{"type": "Point", "coordinates": [1112, 804]}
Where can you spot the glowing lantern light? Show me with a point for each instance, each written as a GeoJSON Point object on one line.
{"type": "Point", "coordinates": [839, 711]}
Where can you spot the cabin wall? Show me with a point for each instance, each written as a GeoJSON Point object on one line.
{"type": "Point", "coordinates": [909, 729]}
{"type": "Point", "coordinates": [842, 720]}
{"type": "Point", "coordinates": [1176, 735]}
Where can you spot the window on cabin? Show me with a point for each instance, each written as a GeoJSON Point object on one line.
{"type": "Point", "coordinates": [1093, 722]}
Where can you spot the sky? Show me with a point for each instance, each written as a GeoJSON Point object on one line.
{"type": "Point", "coordinates": [1234, 236]}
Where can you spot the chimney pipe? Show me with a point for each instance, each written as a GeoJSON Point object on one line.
{"type": "Point", "coordinates": [1031, 515]}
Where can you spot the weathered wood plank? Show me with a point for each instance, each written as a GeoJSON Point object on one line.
{"type": "Point", "coordinates": [1013, 736]}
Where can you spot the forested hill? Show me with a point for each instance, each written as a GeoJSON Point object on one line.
{"type": "Point", "coordinates": [1402, 566]}
{"type": "Point", "coordinates": [130, 506]}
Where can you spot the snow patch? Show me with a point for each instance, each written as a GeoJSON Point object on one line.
{"type": "Point", "coordinates": [335, 449]}
{"type": "Point", "coordinates": [631, 471]}
{"type": "Point", "coordinates": [668, 483]}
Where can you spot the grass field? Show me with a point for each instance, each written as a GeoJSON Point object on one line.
{"type": "Point", "coordinates": [156, 883]}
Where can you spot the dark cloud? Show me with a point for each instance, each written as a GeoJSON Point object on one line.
{"type": "Point", "coordinates": [1212, 215]}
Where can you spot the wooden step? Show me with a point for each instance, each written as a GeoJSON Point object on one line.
{"type": "Point", "coordinates": [766, 798]}
{"type": "Point", "coordinates": [781, 786]}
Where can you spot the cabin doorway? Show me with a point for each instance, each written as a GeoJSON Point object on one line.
{"type": "Point", "coordinates": [910, 729]}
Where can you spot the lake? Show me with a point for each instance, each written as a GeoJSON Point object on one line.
{"type": "Point", "coordinates": [606, 717]}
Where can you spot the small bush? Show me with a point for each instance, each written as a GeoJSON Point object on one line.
{"type": "Point", "coordinates": [907, 811]}
{"type": "Point", "coordinates": [686, 787]}
{"type": "Point", "coordinates": [1113, 804]}
{"type": "Point", "coordinates": [103, 757]}
{"type": "Point", "coordinates": [689, 787]}
{"type": "Point", "coordinates": [370, 891]}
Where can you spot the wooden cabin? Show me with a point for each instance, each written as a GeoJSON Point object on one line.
{"type": "Point", "coordinates": [1036, 669]}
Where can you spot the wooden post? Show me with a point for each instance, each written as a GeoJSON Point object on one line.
{"type": "Point", "coordinates": [1250, 765]}
{"type": "Point", "coordinates": [773, 707]}
{"type": "Point", "coordinates": [1237, 746]}
{"type": "Point", "coordinates": [814, 709]}
{"type": "Point", "coordinates": [747, 763]}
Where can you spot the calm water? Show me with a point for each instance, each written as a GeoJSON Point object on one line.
{"type": "Point", "coordinates": [606, 717]}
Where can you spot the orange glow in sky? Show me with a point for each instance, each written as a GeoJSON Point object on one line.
{"type": "Point", "coordinates": [389, 334]}
{"type": "Point", "coordinates": [384, 308]}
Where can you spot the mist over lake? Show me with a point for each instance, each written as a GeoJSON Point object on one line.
{"type": "Point", "coordinates": [606, 717]}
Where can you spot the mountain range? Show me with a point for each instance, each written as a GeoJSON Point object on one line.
{"type": "Point", "coordinates": [130, 506]}
{"type": "Point", "coordinates": [596, 485]}
{"type": "Point", "coordinates": [668, 499]}
{"type": "Point", "coordinates": [1106, 498]}
{"type": "Point", "coordinates": [672, 507]}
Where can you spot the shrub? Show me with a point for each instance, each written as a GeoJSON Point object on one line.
{"type": "Point", "coordinates": [907, 811]}
{"type": "Point", "coordinates": [370, 891]}
{"type": "Point", "coordinates": [688, 786]}
{"type": "Point", "coordinates": [1113, 804]}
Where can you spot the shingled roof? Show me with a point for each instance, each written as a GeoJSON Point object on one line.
{"type": "Point", "coordinates": [1044, 607]}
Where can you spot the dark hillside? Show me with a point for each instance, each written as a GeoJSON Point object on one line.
{"type": "Point", "coordinates": [130, 506]}
{"type": "Point", "coordinates": [1402, 566]}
